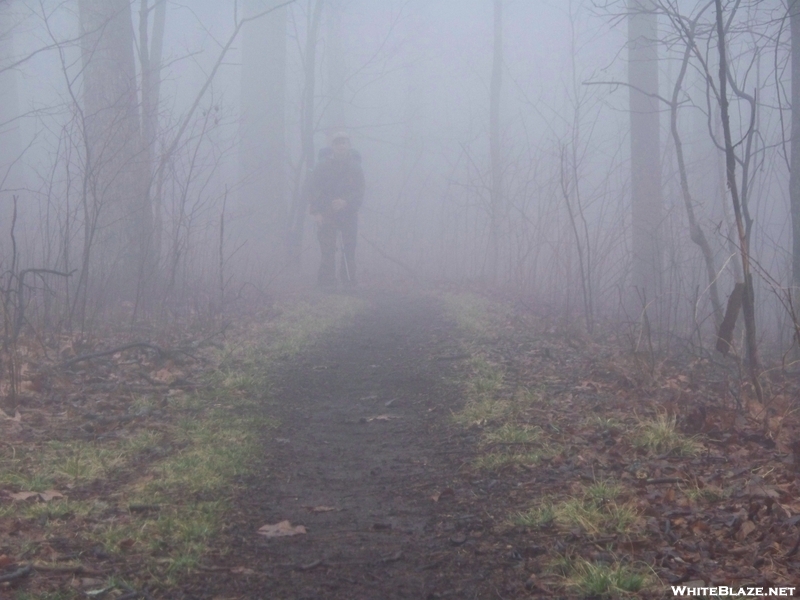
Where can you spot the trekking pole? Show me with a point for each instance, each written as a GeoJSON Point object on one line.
{"type": "Point", "coordinates": [344, 258]}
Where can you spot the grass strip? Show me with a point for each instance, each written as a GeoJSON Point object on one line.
{"type": "Point", "coordinates": [204, 443]}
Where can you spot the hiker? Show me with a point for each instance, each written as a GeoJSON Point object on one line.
{"type": "Point", "coordinates": [336, 190]}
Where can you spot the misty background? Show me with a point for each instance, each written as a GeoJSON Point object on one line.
{"type": "Point", "coordinates": [153, 155]}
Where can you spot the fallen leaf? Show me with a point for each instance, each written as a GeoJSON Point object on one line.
{"type": "Point", "coordinates": [49, 495]}
{"type": "Point", "coordinates": [699, 527]}
{"type": "Point", "coordinates": [282, 529]}
{"type": "Point", "coordinates": [24, 496]}
{"type": "Point", "coordinates": [4, 416]}
{"type": "Point", "coordinates": [166, 376]}
{"type": "Point", "coordinates": [5, 560]}
{"type": "Point", "coordinates": [67, 349]}
{"type": "Point", "coordinates": [445, 493]}
{"type": "Point", "coordinates": [759, 490]}
{"type": "Point", "coordinates": [746, 529]}
{"type": "Point", "coordinates": [127, 544]}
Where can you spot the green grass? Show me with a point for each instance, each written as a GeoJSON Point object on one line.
{"type": "Point", "coordinates": [603, 491]}
{"type": "Point", "coordinates": [526, 398]}
{"type": "Point", "coordinates": [482, 388]}
{"type": "Point", "coordinates": [143, 441]}
{"type": "Point", "coordinates": [598, 510]}
{"type": "Point", "coordinates": [706, 493]}
{"type": "Point", "coordinates": [476, 316]}
{"type": "Point", "coordinates": [538, 516]}
{"type": "Point", "coordinates": [482, 411]}
{"type": "Point", "coordinates": [486, 378]}
{"type": "Point", "coordinates": [488, 401]}
{"type": "Point", "coordinates": [601, 580]}
{"type": "Point", "coordinates": [596, 518]}
{"type": "Point", "coordinates": [57, 510]}
{"type": "Point", "coordinates": [511, 433]}
{"type": "Point", "coordinates": [512, 444]}
{"type": "Point", "coordinates": [206, 442]}
{"type": "Point", "coordinates": [607, 424]}
{"type": "Point", "coordinates": [18, 476]}
{"type": "Point", "coordinates": [660, 436]}
{"type": "Point", "coordinates": [57, 464]}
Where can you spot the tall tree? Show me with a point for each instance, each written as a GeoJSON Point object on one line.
{"type": "Point", "coordinates": [794, 176]}
{"type": "Point", "coordinates": [738, 201]}
{"type": "Point", "coordinates": [335, 56]}
{"type": "Point", "coordinates": [10, 144]}
{"type": "Point", "coordinates": [150, 55]}
{"type": "Point", "coordinates": [262, 128]}
{"type": "Point", "coordinates": [307, 129]}
{"type": "Point", "coordinates": [495, 151]}
{"type": "Point", "coordinates": [646, 199]}
{"type": "Point", "coordinates": [115, 164]}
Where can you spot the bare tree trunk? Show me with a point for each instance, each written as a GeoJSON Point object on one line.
{"type": "Point", "coordinates": [10, 146]}
{"type": "Point", "coordinates": [262, 128]}
{"type": "Point", "coordinates": [748, 299]}
{"type": "Point", "coordinates": [495, 151]}
{"type": "Point", "coordinates": [646, 199]}
{"type": "Point", "coordinates": [794, 176]}
{"type": "Point", "coordinates": [118, 170]}
{"type": "Point", "coordinates": [308, 128]}
{"type": "Point", "coordinates": [696, 232]}
{"type": "Point", "coordinates": [150, 56]}
{"type": "Point", "coordinates": [337, 71]}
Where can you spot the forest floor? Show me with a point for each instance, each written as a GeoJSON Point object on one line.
{"type": "Point", "coordinates": [391, 445]}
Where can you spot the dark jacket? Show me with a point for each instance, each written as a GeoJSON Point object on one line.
{"type": "Point", "coordinates": [333, 179]}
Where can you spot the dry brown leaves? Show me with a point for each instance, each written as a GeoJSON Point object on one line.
{"type": "Point", "coordinates": [729, 514]}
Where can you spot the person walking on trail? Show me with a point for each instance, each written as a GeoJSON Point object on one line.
{"type": "Point", "coordinates": [336, 192]}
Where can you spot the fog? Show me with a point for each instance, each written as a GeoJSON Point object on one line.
{"type": "Point", "coordinates": [205, 209]}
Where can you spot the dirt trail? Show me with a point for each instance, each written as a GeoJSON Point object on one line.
{"type": "Point", "coordinates": [365, 430]}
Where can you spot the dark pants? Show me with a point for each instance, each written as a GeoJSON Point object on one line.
{"type": "Point", "coordinates": [327, 233]}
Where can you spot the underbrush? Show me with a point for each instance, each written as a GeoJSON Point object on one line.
{"type": "Point", "coordinates": [610, 480]}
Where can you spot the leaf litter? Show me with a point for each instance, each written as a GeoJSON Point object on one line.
{"type": "Point", "coordinates": [712, 490]}
{"type": "Point", "coordinates": [728, 514]}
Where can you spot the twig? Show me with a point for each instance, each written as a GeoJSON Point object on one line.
{"type": "Point", "coordinates": [662, 480]}
{"type": "Point", "coordinates": [309, 566]}
{"type": "Point", "coordinates": [393, 558]}
{"type": "Point", "coordinates": [18, 574]}
{"type": "Point", "coordinates": [83, 357]}
{"type": "Point", "coordinates": [76, 569]}
{"type": "Point", "coordinates": [20, 316]}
